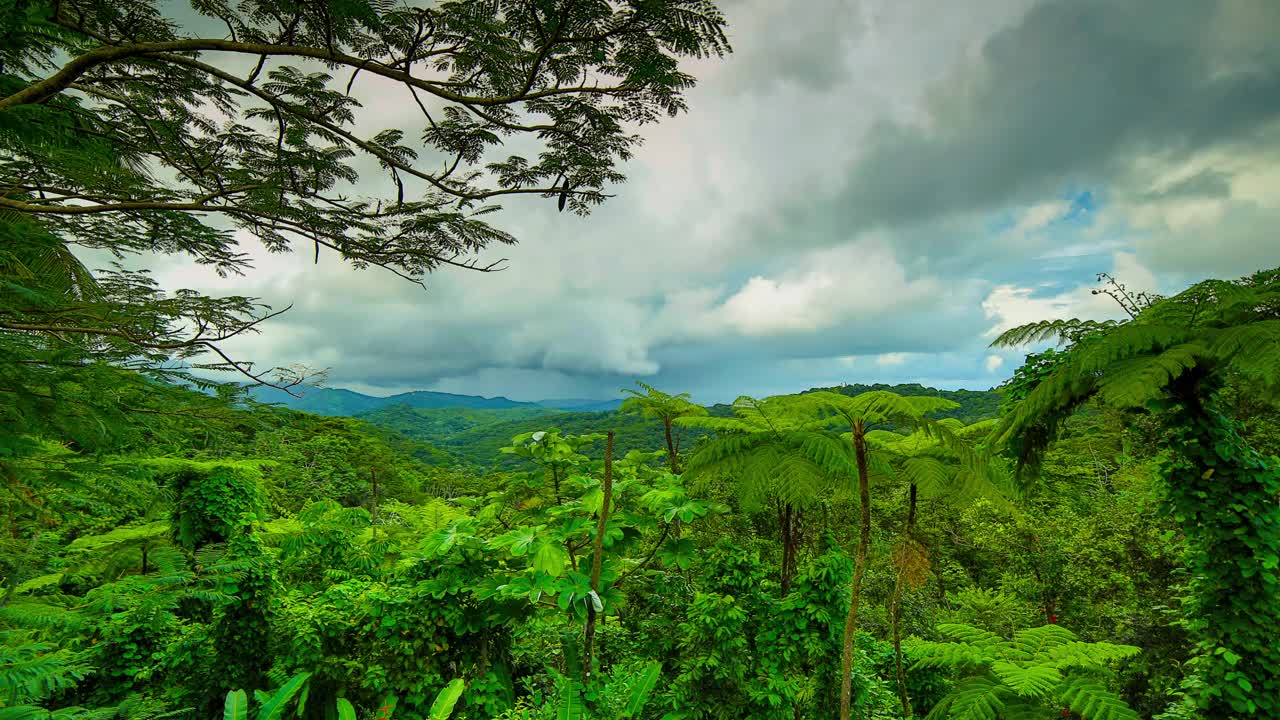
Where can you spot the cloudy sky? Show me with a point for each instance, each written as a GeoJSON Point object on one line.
{"type": "Point", "coordinates": [866, 190]}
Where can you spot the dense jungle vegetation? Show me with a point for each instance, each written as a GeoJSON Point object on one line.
{"type": "Point", "coordinates": [1098, 538]}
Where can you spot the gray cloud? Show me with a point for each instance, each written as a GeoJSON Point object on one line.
{"type": "Point", "coordinates": [1075, 94]}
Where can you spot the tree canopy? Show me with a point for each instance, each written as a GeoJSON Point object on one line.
{"type": "Point", "coordinates": [126, 130]}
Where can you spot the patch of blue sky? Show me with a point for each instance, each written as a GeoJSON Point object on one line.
{"type": "Point", "coordinates": [1082, 205]}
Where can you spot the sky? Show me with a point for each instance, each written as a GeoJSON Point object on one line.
{"type": "Point", "coordinates": [864, 191]}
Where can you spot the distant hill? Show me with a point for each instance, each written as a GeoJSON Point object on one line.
{"type": "Point", "coordinates": [581, 404]}
{"type": "Point", "coordinates": [471, 429]}
{"type": "Point", "coordinates": [438, 425]}
{"type": "Point", "coordinates": [336, 401]}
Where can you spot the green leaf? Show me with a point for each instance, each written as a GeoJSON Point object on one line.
{"type": "Point", "coordinates": [345, 711]}
{"type": "Point", "coordinates": [643, 688]}
{"type": "Point", "coordinates": [236, 706]}
{"type": "Point", "coordinates": [550, 558]}
{"type": "Point", "coordinates": [447, 698]}
{"type": "Point", "coordinates": [274, 707]}
{"type": "Point", "coordinates": [570, 703]}
{"type": "Point", "coordinates": [679, 553]}
{"type": "Point", "coordinates": [387, 708]}
{"type": "Point", "coordinates": [39, 582]}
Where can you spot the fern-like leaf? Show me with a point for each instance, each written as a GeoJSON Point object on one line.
{"type": "Point", "coordinates": [977, 698]}
{"type": "Point", "coordinates": [1091, 700]}
{"type": "Point", "coordinates": [1034, 681]}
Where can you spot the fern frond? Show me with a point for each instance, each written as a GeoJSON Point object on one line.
{"type": "Point", "coordinates": [1250, 349]}
{"type": "Point", "coordinates": [1063, 331]}
{"type": "Point", "coordinates": [884, 438]}
{"type": "Point", "coordinates": [931, 476]}
{"type": "Point", "coordinates": [970, 635]}
{"type": "Point", "coordinates": [942, 710]}
{"type": "Point", "coordinates": [1034, 681]}
{"type": "Point", "coordinates": [1089, 656]}
{"type": "Point", "coordinates": [828, 452]}
{"type": "Point", "coordinates": [977, 698]}
{"type": "Point", "coordinates": [30, 672]}
{"type": "Point", "coordinates": [1091, 700]}
{"type": "Point", "coordinates": [1037, 642]}
{"type": "Point", "coordinates": [948, 655]}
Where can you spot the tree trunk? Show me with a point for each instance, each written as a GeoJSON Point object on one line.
{"type": "Point", "coordinates": [596, 555]}
{"type": "Point", "coordinates": [373, 503]}
{"type": "Point", "coordinates": [787, 519]}
{"type": "Point", "coordinates": [672, 460]}
{"type": "Point", "coordinates": [895, 612]}
{"type": "Point", "coordinates": [859, 569]}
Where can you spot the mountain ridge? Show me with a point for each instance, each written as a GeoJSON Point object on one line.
{"type": "Point", "coordinates": [349, 403]}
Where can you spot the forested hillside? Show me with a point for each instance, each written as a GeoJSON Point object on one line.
{"type": "Point", "coordinates": [474, 436]}
{"type": "Point", "coordinates": [1097, 538]}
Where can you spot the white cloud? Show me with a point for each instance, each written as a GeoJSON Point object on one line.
{"type": "Point", "coordinates": [993, 363]}
{"type": "Point", "coordinates": [859, 279]}
{"type": "Point", "coordinates": [1038, 217]}
{"type": "Point", "coordinates": [1011, 305]}
{"type": "Point", "coordinates": [893, 358]}
{"type": "Point", "coordinates": [766, 306]}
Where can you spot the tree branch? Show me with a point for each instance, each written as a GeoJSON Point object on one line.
{"type": "Point", "coordinates": [78, 66]}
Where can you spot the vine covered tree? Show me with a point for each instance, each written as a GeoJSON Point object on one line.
{"type": "Point", "coordinates": [128, 131]}
{"type": "Point", "coordinates": [1172, 359]}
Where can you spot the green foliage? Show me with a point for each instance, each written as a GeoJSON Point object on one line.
{"type": "Point", "coordinates": [970, 406]}
{"type": "Point", "coordinates": [1213, 327]}
{"type": "Point", "coordinates": [271, 706]}
{"type": "Point", "coordinates": [444, 703]}
{"type": "Point", "coordinates": [1032, 673]}
{"type": "Point", "coordinates": [478, 445]}
{"type": "Point", "coordinates": [154, 566]}
{"type": "Point", "coordinates": [1172, 359]}
{"type": "Point", "coordinates": [1223, 495]}
{"type": "Point", "coordinates": [213, 500]}
{"type": "Point", "coordinates": [30, 673]}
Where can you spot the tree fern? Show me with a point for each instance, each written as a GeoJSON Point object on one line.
{"type": "Point", "coordinates": [977, 698]}
{"type": "Point", "coordinates": [802, 431]}
{"type": "Point", "coordinates": [31, 671]}
{"type": "Point", "coordinates": [665, 408]}
{"type": "Point", "coordinates": [1172, 358]}
{"type": "Point", "coordinates": [1033, 674]}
